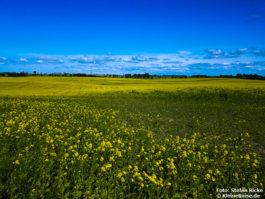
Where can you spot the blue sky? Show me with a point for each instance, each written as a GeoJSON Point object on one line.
{"type": "Point", "coordinates": [133, 36]}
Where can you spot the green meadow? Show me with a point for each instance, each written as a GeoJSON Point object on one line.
{"type": "Point", "coordinates": [84, 137]}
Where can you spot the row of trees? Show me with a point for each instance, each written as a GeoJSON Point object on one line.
{"type": "Point", "coordinates": [139, 76]}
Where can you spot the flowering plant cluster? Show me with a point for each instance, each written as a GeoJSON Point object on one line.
{"type": "Point", "coordinates": [59, 149]}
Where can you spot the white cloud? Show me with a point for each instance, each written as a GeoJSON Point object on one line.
{"type": "Point", "coordinates": [242, 49]}
{"type": "Point", "coordinates": [40, 61]}
{"type": "Point", "coordinates": [248, 66]}
{"type": "Point", "coordinates": [184, 52]}
{"type": "Point", "coordinates": [60, 60]}
{"type": "Point", "coordinates": [23, 60]}
{"type": "Point", "coordinates": [3, 58]}
{"type": "Point", "coordinates": [183, 62]}
{"type": "Point", "coordinates": [215, 51]}
{"type": "Point", "coordinates": [85, 58]}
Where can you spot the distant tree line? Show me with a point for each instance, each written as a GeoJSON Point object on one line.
{"type": "Point", "coordinates": [137, 76]}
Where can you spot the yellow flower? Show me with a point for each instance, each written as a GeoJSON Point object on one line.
{"type": "Point", "coordinates": [108, 166]}
{"type": "Point", "coordinates": [118, 153]}
{"type": "Point", "coordinates": [217, 172]}
{"type": "Point", "coordinates": [124, 172]}
{"type": "Point", "coordinates": [122, 179]}
{"type": "Point", "coordinates": [53, 154]}
{"type": "Point", "coordinates": [103, 143]}
{"type": "Point", "coordinates": [90, 146]}
{"type": "Point", "coordinates": [194, 177]}
{"type": "Point", "coordinates": [255, 176]}
{"type": "Point", "coordinates": [103, 169]}
{"type": "Point", "coordinates": [109, 144]}
{"type": "Point", "coordinates": [120, 175]}
{"type": "Point", "coordinates": [102, 159]}
{"type": "Point", "coordinates": [140, 178]}
{"type": "Point", "coordinates": [247, 157]}
{"type": "Point", "coordinates": [66, 155]}
{"type": "Point", "coordinates": [163, 148]}
{"type": "Point", "coordinates": [177, 139]}
{"type": "Point", "coordinates": [207, 176]}
{"type": "Point", "coordinates": [16, 162]}
{"type": "Point", "coordinates": [142, 184]}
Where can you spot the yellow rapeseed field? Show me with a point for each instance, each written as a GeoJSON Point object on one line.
{"type": "Point", "coordinates": [60, 141]}
{"type": "Point", "coordinates": [57, 86]}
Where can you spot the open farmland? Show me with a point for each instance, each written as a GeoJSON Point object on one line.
{"type": "Point", "coordinates": [64, 137]}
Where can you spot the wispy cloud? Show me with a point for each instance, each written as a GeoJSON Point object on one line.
{"type": "Point", "coordinates": [211, 62]}
{"type": "Point", "coordinates": [260, 52]}
{"type": "Point", "coordinates": [40, 61]}
{"type": "Point", "coordinates": [3, 60]}
{"type": "Point", "coordinates": [219, 53]}
{"type": "Point", "coordinates": [184, 52]}
{"type": "Point", "coordinates": [23, 60]}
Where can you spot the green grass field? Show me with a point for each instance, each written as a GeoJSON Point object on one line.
{"type": "Point", "coordinates": [64, 137]}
